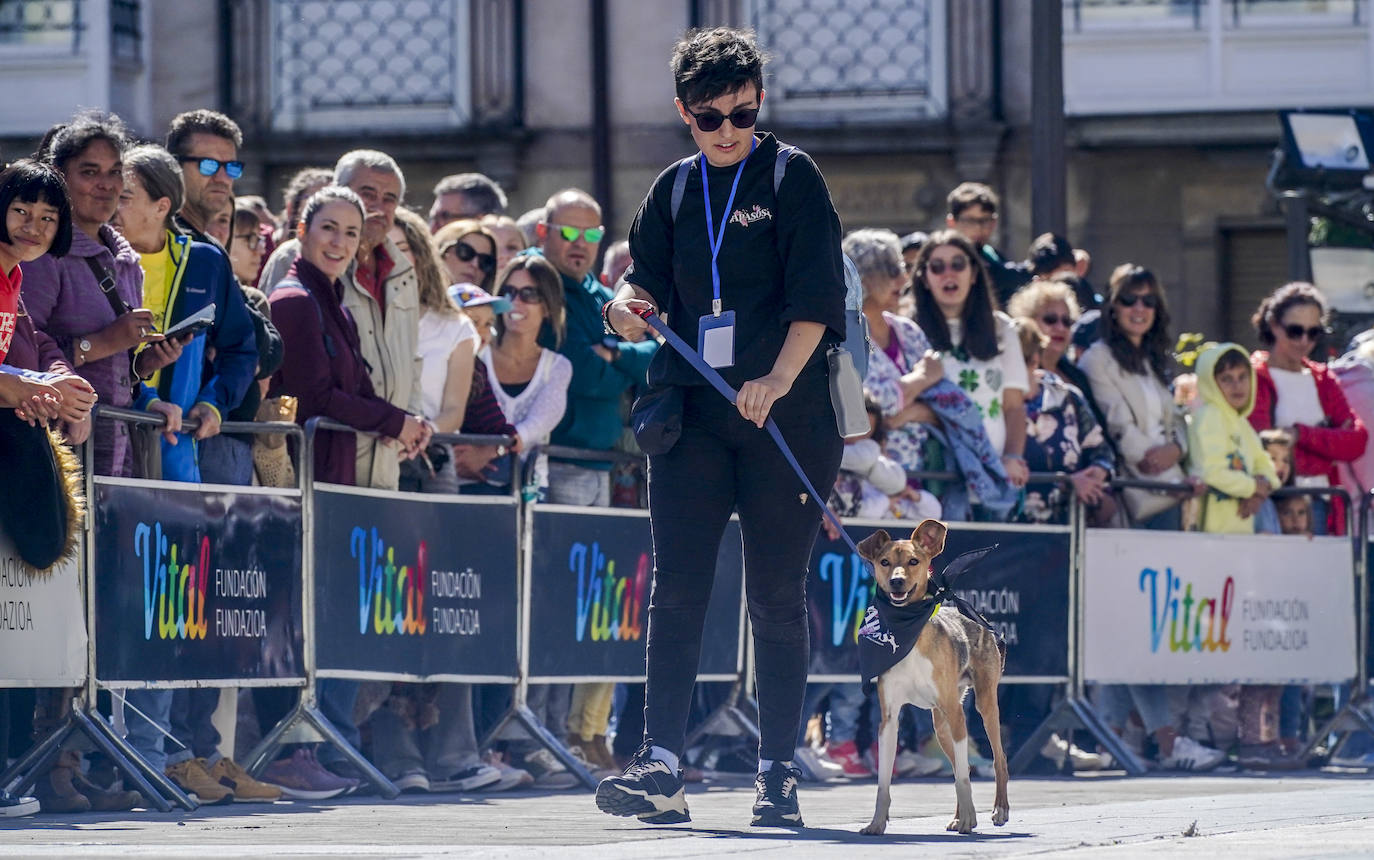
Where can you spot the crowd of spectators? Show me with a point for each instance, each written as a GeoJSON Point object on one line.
{"type": "Point", "coordinates": [349, 306]}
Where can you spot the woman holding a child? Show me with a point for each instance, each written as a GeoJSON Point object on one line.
{"type": "Point", "coordinates": [1303, 396]}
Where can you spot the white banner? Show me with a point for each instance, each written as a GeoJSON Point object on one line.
{"type": "Point", "coordinates": [1191, 608]}
{"type": "Point", "coordinates": [42, 624]}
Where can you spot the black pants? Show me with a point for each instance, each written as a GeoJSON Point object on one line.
{"type": "Point", "coordinates": [720, 465]}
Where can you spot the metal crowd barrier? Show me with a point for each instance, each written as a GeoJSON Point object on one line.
{"type": "Point", "coordinates": [394, 628]}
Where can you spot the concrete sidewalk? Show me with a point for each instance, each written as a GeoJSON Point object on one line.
{"type": "Point", "coordinates": [1243, 815]}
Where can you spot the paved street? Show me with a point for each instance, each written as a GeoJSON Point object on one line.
{"type": "Point", "coordinates": [1315, 814]}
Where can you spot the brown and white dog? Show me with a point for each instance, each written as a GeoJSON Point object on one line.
{"type": "Point", "coordinates": [951, 654]}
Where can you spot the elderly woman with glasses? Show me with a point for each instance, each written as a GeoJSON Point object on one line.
{"type": "Point", "coordinates": [1303, 396]}
{"type": "Point", "coordinates": [901, 364]}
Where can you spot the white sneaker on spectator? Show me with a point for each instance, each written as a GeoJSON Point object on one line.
{"type": "Point", "coordinates": [814, 766]}
{"type": "Point", "coordinates": [549, 772]}
{"type": "Point", "coordinates": [473, 778]}
{"type": "Point", "coordinates": [511, 777]}
{"type": "Point", "coordinates": [1188, 754]}
{"type": "Point", "coordinates": [913, 763]}
{"type": "Point", "coordinates": [412, 781]}
{"type": "Point", "coordinates": [1056, 749]}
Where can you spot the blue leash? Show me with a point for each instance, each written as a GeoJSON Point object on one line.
{"type": "Point", "coordinates": [710, 375]}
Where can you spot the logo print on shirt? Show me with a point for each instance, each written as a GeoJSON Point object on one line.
{"type": "Point", "coordinates": [7, 322]}
{"type": "Point", "coordinates": [744, 219]}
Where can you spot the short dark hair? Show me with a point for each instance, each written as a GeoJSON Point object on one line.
{"type": "Point", "coordinates": [200, 122]}
{"type": "Point", "coordinates": [1229, 359]}
{"type": "Point", "coordinates": [327, 195]}
{"type": "Point", "coordinates": [708, 64]}
{"type": "Point", "coordinates": [31, 181]}
{"type": "Point", "coordinates": [979, 314]}
{"type": "Point", "coordinates": [305, 180]}
{"type": "Point", "coordinates": [70, 140]}
{"type": "Point", "coordinates": [967, 194]}
{"type": "Point", "coordinates": [1277, 303]}
{"type": "Point", "coordinates": [482, 190]}
{"type": "Point", "coordinates": [1048, 252]}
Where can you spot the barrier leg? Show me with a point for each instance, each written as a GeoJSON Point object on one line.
{"type": "Point", "coordinates": [524, 718]}
{"type": "Point", "coordinates": [155, 787]}
{"type": "Point", "coordinates": [1350, 718]}
{"type": "Point", "coordinates": [729, 719]}
{"type": "Point", "coordinates": [1071, 715]}
{"type": "Point", "coordinates": [305, 724]}
{"type": "Point", "coordinates": [25, 771]}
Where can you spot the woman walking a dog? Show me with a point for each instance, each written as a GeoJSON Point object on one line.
{"type": "Point", "coordinates": [750, 269]}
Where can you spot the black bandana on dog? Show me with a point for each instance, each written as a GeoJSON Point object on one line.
{"type": "Point", "coordinates": [890, 632]}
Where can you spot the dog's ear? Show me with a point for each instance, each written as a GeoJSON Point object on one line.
{"type": "Point", "coordinates": [872, 546]}
{"type": "Point", "coordinates": [930, 536]}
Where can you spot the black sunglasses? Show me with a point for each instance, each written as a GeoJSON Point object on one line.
{"type": "Point", "coordinates": [1149, 300]}
{"type": "Point", "coordinates": [1297, 332]}
{"type": "Point", "coordinates": [710, 120]}
{"type": "Point", "coordinates": [937, 267]}
{"type": "Point", "coordinates": [1056, 319]}
{"type": "Point", "coordinates": [528, 295]}
{"type": "Point", "coordinates": [466, 253]}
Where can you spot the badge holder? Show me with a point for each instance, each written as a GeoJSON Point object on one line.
{"type": "Point", "coordinates": [716, 337]}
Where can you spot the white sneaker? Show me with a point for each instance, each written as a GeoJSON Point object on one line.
{"type": "Point", "coordinates": [511, 777]}
{"type": "Point", "coordinates": [1188, 754]}
{"type": "Point", "coordinates": [814, 766]}
{"type": "Point", "coordinates": [1056, 749]}
{"type": "Point", "coordinates": [548, 771]}
{"type": "Point", "coordinates": [912, 763]}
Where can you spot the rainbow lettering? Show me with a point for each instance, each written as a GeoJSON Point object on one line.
{"type": "Point", "coordinates": [603, 596]}
{"type": "Point", "coordinates": [173, 588]}
{"type": "Point", "coordinates": [394, 597]}
{"type": "Point", "coordinates": [1185, 628]}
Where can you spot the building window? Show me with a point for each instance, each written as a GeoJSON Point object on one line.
{"type": "Point", "coordinates": [868, 59]}
{"type": "Point", "coordinates": [1087, 15]}
{"type": "Point", "coordinates": [48, 23]}
{"type": "Point", "coordinates": [395, 64]}
{"type": "Point", "coordinates": [125, 31]}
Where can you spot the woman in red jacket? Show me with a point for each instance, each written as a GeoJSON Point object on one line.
{"type": "Point", "coordinates": [1302, 396]}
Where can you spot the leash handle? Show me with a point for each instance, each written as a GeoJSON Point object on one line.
{"type": "Point", "coordinates": [719, 384]}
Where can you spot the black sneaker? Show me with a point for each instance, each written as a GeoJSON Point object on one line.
{"type": "Point", "coordinates": [776, 802]}
{"type": "Point", "coordinates": [647, 789]}
{"type": "Point", "coordinates": [17, 807]}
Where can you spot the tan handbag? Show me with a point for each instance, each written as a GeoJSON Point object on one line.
{"type": "Point", "coordinates": [271, 459]}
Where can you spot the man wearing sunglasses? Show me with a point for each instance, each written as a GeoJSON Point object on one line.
{"type": "Point", "coordinates": [206, 144]}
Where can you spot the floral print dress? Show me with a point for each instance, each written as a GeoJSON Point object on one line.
{"type": "Point", "coordinates": [883, 383]}
{"type": "Point", "coordinates": [1061, 436]}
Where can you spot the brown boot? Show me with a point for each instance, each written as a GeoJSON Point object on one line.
{"type": "Point", "coordinates": [601, 751]}
{"type": "Point", "coordinates": [56, 789]}
{"type": "Point", "coordinates": [104, 799]}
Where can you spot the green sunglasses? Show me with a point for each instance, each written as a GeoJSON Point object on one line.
{"type": "Point", "coordinates": [570, 234]}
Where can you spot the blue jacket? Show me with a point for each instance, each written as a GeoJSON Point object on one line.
{"type": "Point", "coordinates": [203, 275]}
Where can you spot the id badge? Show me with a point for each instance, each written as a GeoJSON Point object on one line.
{"type": "Point", "coordinates": [716, 339]}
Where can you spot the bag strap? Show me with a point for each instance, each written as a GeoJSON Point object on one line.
{"type": "Point", "coordinates": [106, 280]}
{"type": "Point", "coordinates": [684, 168]}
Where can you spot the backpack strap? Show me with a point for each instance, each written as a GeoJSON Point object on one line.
{"type": "Point", "coordinates": [680, 184]}
{"type": "Point", "coordinates": [780, 165]}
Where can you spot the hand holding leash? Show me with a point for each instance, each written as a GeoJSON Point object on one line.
{"type": "Point", "coordinates": [629, 318]}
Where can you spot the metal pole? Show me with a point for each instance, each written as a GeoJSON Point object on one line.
{"type": "Point", "coordinates": [1048, 169]}
{"type": "Point", "coordinates": [601, 113]}
{"type": "Point", "coordinates": [1296, 223]}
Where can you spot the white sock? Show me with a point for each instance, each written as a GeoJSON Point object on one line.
{"type": "Point", "coordinates": [766, 764]}
{"type": "Point", "coordinates": [663, 755]}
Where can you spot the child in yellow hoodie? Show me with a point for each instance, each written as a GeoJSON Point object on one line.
{"type": "Point", "coordinates": [1224, 450]}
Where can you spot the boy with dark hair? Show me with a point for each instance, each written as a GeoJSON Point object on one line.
{"type": "Point", "coordinates": [1051, 254]}
{"type": "Point", "coordinates": [1224, 450]}
{"type": "Point", "coordinates": [973, 212]}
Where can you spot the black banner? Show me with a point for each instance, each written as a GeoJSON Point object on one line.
{"type": "Point", "coordinates": [423, 586]}
{"type": "Point", "coordinates": [196, 585]}
{"type": "Point", "coordinates": [589, 603]}
{"type": "Point", "coordinates": [1022, 588]}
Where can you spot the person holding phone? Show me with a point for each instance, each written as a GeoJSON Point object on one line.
{"type": "Point", "coordinates": [757, 268]}
{"type": "Point", "coordinates": [181, 279]}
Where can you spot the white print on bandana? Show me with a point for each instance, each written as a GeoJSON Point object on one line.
{"type": "Point", "coordinates": [6, 331]}
{"type": "Point", "coordinates": [744, 219]}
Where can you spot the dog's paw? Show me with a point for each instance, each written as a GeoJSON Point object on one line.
{"type": "Point", "coordinates": [1000, 815]}
{"type": "Point", "coordinates": [875, 828]}
{"type": "Point", "coordinates": [963, 822]}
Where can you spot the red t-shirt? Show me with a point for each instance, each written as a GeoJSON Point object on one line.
{"type": "Point", "coordinates": [9, 307]}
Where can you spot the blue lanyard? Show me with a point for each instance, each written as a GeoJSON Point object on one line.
{"type": "Point", "coordinates": [711, 238]}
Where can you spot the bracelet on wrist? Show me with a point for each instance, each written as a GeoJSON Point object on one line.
{"type": "Point", "coordinates": [606, 319]}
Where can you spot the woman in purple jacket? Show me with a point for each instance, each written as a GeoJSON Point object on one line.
{"type": "Point", "coordinates": [322, 365]}
{"type": "Point", "coordinates": [89, 301]}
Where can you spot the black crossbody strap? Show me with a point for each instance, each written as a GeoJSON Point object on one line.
{"type": "Point", "coordinates": [105, 278]}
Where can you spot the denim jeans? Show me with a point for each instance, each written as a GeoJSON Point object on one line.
{"type": "Point", "coordinates": [226, 460]}
{"type": "Point", "coordinates": [1160, 706]}
{"type": "Point", "coordinates": [147, 714]}
{"type": "Point", "coordinates": [336, 697]}
{"type": "Point", "coordinates": [440, 751]}
{"type": "Point", "coordinates": [570, 484]}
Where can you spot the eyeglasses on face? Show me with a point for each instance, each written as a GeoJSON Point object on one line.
{"type": "Point", "coordinates": [710, 120]}
{"type": "Point", "coordinates": [1057, 319]}
{"type": "Point", "coordinates": [957, 264]}
{"type": "Point", "coordinates": [467, 253]}
{"type": "Point", "coordinates": [524, 295]}
{"type": "Point", "coordinates": [250, 241]}
{"type": "Point", "coordinates": [211, 166]}
{"type": "Point", "coordinates": [570, 234]}
{"type": "Point", "coordinates": [1293, 331]}
{"type": "Point", "coordinates": [1128, 300]}
{"type": "Point", "coordinates": [976, 220]}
